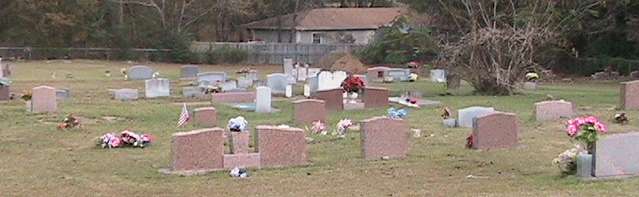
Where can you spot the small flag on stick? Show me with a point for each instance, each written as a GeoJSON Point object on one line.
{"type": "Point", "coordinates": [184, 116]}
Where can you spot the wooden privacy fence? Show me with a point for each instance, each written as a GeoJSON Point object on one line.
{"type": "Point", "coordinates": [274, 53]}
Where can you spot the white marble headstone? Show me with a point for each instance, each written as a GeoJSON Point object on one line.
{"type": "Point", "coordinates": [467, 115]}
{"type": "Point", "coordinates": [263, 100]}
{"type": "Point", "coordinates": [438, 75]}
{"type": "Point", "coordinates": [157, 88]}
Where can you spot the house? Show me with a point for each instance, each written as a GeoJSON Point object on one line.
{"type": "Point", "coordinates": [324, 26]}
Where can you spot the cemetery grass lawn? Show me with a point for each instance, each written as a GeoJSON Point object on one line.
{"type": "Point", "coordinates": [37, 159]}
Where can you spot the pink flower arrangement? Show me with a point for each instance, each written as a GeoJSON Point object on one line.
{"type": "Point", "coordinates": [127, 137]}
{"type": "Point", "coordinates": [318, 127]}
{"type": "Point", "coordinates": [585, 129]}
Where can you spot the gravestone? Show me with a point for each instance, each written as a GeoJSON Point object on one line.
{"type": "Point", "coordinates": [384, 137]}
{"type": "Point", "coordinates": [263, 100]}
{"type": "Point", "coordinates": [327, 80]}
{"type": "Point", "coordinates": [140, 72]}
{"type": "Point", "coordinates": [240, 142]}
{"type": "Point", "coordinates": [376, 74]}
{"type": "Point", "coordinates": [234, 97]}
{"type": "Point", "coordinates": [125, 94]}
{"type": "Point", "coordinates": [189, 71]}
{"type": "Point", "coordinates": [438, 75]}
{"type": "Point", "coordinates": [617, 155]}
{"type": "Point", "coordinates": [466, 115]}
{"type": "Point", "coordinates": [192, 92]}
{"type": "Point", "coordinates": [211, 78]}
{"type": "Point", "coordinates": [554, 110]}
{"type": "Point", "coordinates": [280, 146]}
{"type": "Point", "coordinates": [205, 117]}
{"type": "Point", "coordinates": [251, 75]}
{"type": "Point", "coordinates": [5, 93]}
{"type": "Point", "coordinates": [154, 88]}
{"type": "Point", "coordinates": [334, 99]}
{"type": "Point", "coordinates": [399, 74]}
{"type": "Point", "coordinates": [44, 99]}
{"type": "Point", "coordinates": [62, 94]}
{"type": "Point", "coordinates": [287, 66]}
{"type": "Point", "coordinates": [309, 110]}
{"type": "Point", "coordinates": [312, 84]}
{"type": "Point", "coordinates": [495, 130]}
{"type": "Point", "coordinates": [312, 72]}
{"type": "Point", "coordinates": [301, 73]}
{"type": "Point", "coordinates": [244, 83]}
{"type": "Point", "coordinates": [198, 150]}
{"type": "Point", "coordinates": [229, 86]}
{"type": "Point", "coordinates": [630, 95]}
{"type": "Point", "coordinates": [375, 97]}
{"type": "Point", "coordinates": [277, 82]}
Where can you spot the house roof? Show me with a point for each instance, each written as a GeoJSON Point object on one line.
{"type": "Point", "coordinates": [332, 19]}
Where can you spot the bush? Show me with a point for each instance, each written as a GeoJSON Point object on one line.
{"type": "Point", "coordinates": [226, 55]}
{"type": "Point", "coordinates": [392, 46]}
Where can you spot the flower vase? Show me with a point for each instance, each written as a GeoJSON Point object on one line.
{"type": "Point", "coordinates": [584, 165]}
{"type": "Point", "coordinates": [352, 97]}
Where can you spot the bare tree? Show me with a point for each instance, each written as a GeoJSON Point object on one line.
{"type": "Point", "coordinates": [175, 15]}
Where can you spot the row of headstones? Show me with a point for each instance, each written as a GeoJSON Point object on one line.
{"type": "Point", "coordinates": [44, 99]}
{"type": "Point", "coordinates": [203, 150]}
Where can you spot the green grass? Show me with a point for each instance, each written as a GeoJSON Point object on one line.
{"type": "Point", "coordinates": [37, 159]}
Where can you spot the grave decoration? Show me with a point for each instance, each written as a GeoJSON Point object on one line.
{"type": "Point", "coordinates": [69, 122]}
{"type": "Point", "coordinates": [107, 73]}
{"type": "Point", "coordinates": [126, 138]}
{"type": "Point", "coordinates": [318, 128]}
{"type": "Point", "coordinates": [239, 172]}
{"type": "Point", "coordinates": [342, 127]}
{"type": "Point", "coordinates": [447, 118]}
{"type": "Point", "coordinates": [621, 118]}
{"type": "Point", "coordinates": [352, 85]}
{"type": "Point", "coordinates": [238, 124]}
{"type": "Point", "coordinates": [124, 73]}
{"type": "Point", "coordinates": [532, 76]}
{"type": "Point", "coordinates": [413, 77]}
{"type": "Point", "coordinates": [397, 113]}
{"type": "Point", "coordinates": [567, 161]}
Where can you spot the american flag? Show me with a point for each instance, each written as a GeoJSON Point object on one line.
{"type": "Point", "coordinates": [184, 116]}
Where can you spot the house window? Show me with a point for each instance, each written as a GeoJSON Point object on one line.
{"type": "Point", "coordinates": [317, 38]}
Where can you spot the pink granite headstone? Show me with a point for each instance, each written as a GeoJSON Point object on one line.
{"type": "Point", "coordinates": [44, 99]}
{"type": "Point", "coordinates": [375, 97]}
{"type": "Point", "coordinates": [309, 110]}
{"type": "Point", "coordinates": [280, 147]}
{"type": "Point", "coordinates": [384, 137]}
{"type": "Point", "coordinates": [234, 97]}
{"type": "Point", "coordinates": [5, 93]}
{"type": "Point", "coordinates": [206, 117]}
{"type": "Point", "coordinates": [198, 150]}
{"type": "Point", "coordinates": [554, 110]}
{"type": "Point", "coordinates": [376, 73]}
{"type": "Point", "coordinates": [617, 155]}
{"type": "Point", "coordinates": [630, 95]}
{"type": "Point", "coordinates": [495, 130]}
{"type": "Point", "coordinates": [240, 142]}
{"type": "Point", "coordinates": [334, 99]}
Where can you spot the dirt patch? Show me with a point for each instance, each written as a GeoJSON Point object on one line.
{"type": "Point", "coordinates": [342, 61]}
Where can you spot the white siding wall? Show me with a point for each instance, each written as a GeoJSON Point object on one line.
{"type": "Point", "coordinates": [306, 37]}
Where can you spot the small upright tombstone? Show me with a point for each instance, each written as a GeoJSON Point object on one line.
{"type": "Point", "coordinates": [244, 83]}
{"type": "Point", "coordinates": [189, 71]}
{"type": "Point", "coordinates": [192, 92]}
{"type": "Point", "coordinates": [140, 72]}
{"type": "Point", "coordinates": [384, 137]}
{"type": "Point", "coordinates": [495, 130]}
{"type": "Point", "coordinates": [197, 151]}
{"type": "Point", "coordinates": [206, 117]}
{"type": "Point", "coordinates": [630, 95]}
{"type": "Point", "coordinates": [334, 99]}
{"type": "Point", "coordinates": [63, 94]}
{"type": "Point", "coordinates": [212, 78]}
{"type": "Point", "coordinates": [308, 111]}
{"type": "Point", "coordinates": [438, 75]}
{"type": "Point", "coordinates": [263, 100]}
{"type": "Point", "coordinates": [287, 66]}
{"type": "Point", "coordinates": [44, 99]}
{"type": "Point", "coordinates": [467, 115]}
{"type": "Point", "coordinates": [155, 88]}
{"type": "Point", "coordinates": [617, 155]}
{"type": "Point", "coordinates": [281, 146]}
{"type": "Point", "coordinates": [5, 92]}
{"type": "Point", "coordinates": [377, 73]}
{"type": "Point", "coordinates": [554, 110]}
{"type": "Point", "coordinates": [277, 82]}
{"type": "Point", "coordinates": [375, 97]}
{"type": "Point", "coordinates": [399, 74]}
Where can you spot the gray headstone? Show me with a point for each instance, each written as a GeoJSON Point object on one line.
{"type": "Point", "coordinates": [212, 77]}
{"type": "Point", "coordinates": [617, 155]}
{"type": "Point", "coordinates": [62, 94]}
{"type": "Point", "coordinates": [189, 71]}
{"type": "Point", "coordinates": [125, 94]}
{"type": "Point", "coordinates": [287, 67]}
{"type": "Point", "coordinates": [438, 75]}
{"type": "Point", "coordinates": [244, 83]}
{"type": "Point", "coordinates": [467, 115]}
{"type": "Point", "coordinates": [191, 92]}
{"type": "Point", "coordinates": [277, 83]}
{"type": "Point", "coordinates": [312, 72]}
{"type": "Point", "coordinates": [312, 84]}
{"type": "Point", "coordinates": [140, 73]}
{"type": "Point", "coordinates": [399, 74]}
{"type": "Point", "coordinates": [229, 86]}
{"type": "Point", "coordinates": [252, 75]}
{"type": "Point", "coordinates": [263, 100]}
{"type": "Point", "coordinates": [157, 88]}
